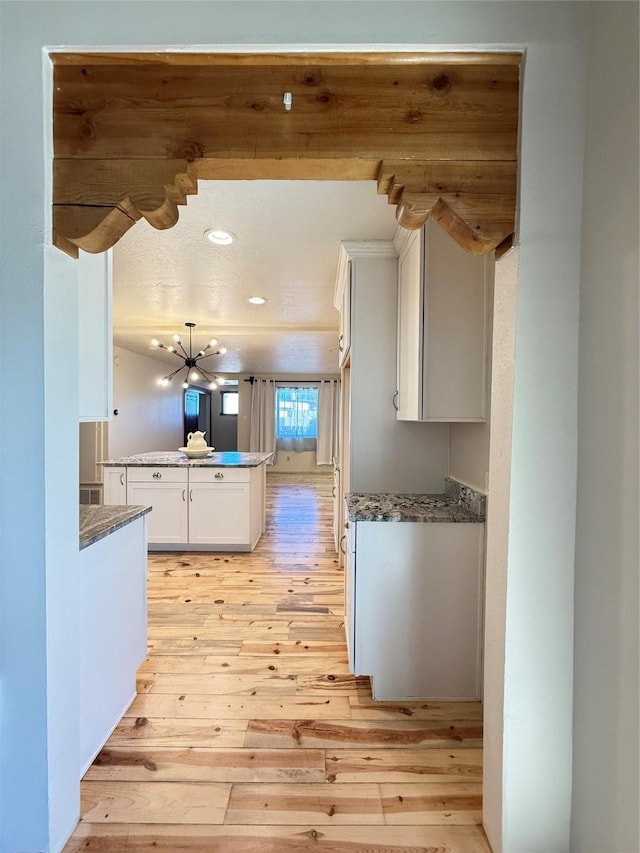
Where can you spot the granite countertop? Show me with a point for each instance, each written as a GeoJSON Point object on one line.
{"type": "Point", "coordinates": [391, 507]}
{"type": "Point", "coordinates": [96, 522]}
{"type": "Point", "coordinates": [175, 459]}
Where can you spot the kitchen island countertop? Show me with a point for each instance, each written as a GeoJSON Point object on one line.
{"type": "Point", "coordinates": [175, 459]}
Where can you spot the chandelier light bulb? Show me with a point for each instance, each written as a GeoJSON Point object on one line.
{"type": "Point", "coordinates": [222, 350]}
{"type": "Point", "coordinates": [221, 380]}
{"type": "Point", "coordinates": [213, 342]}
{"type": "Point", "coordinates": [171, 349]}
{"type": "Point", "coordinates": [155, 343]}
{"type": "Point", "coordinates": [212, 386]}
{"type": "Point", "coordinates": [185, 384]}
{"type": "Point", "coordinates": [176, 338]}
{"type": "Point", "coordinates": [194, 375]}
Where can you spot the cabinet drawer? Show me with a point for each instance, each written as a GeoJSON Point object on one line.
{"type": "Point", "coordinates": [219, 475]}
{"type": "Point", "coordinates": [157, 475]}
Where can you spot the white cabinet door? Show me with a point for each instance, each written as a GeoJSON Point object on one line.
{"type": "Point", "coordinates": [443, 321]}
{"type": "Point", "coordinates": [219, 513]}
{"type": "Point", "coordinates": [115, 485]}
{"type": "Point", "coordinates": [168, 521]}
{"type": "Point", "coordinates": [342, 302]}
{"type": "Point", "coordinates": [95, 336]}
{"type": "Point", "coordinates": [410, 315]}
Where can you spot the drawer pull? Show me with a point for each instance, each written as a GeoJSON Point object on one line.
{"type": "Point", "coordinates": [157, 475]}
{"type": "Point", "coordinates": [219, 476]}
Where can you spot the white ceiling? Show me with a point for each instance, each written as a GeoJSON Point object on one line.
{"type": "Point", "coordinates": [288, 234]}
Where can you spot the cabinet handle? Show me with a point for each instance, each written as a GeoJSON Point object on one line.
{"type": "Point", "coordinates": [157, 475]}
{"type": "Point", "coordinates": [191, 495]}
{"type": "Point", "coordinates": [122, 479]}
{"type": "Point", "coordinates": [340, 340]}
{"type": "Point", "coordinates": [184, 494]}
{"type": "Point", "coordinates": [333, 492]}
{"type": "Point", "coordinates": [395, 401]}
{"type": "Point", "coordinates": [219, 476]}
{"type": "Point", "coordinates": [343, 550]}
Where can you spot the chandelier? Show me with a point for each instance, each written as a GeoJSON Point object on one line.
{"type": "Point", "coordinates": [190, 362]}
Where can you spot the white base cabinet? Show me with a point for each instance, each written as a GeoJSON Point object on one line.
{"type": "Point", "coordinates": [115, 486]}
{"type": "Point", "coordinates": [112, 632]}
{"type": "Point", "coordinates": [413, 608]}
{"type": "Point", "coordinates": [220, 506]}
{"type": "Point", "coordinates": [164, 489]}
{"type": "Point", "coordinates": [194, 509]}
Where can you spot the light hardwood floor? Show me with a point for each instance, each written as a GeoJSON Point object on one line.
{"type": "Point", "coordinates": [249, 733]}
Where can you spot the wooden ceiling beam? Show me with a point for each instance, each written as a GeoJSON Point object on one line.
{"type": "Point", "coordinates": [133, 133]}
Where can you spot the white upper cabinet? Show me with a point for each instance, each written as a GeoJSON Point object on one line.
{"type": "Point", "coordinates": [342, 302]}
{"type": "Point", "coordinates": [443, 323]}
{"type": "Point", "coordinates": [95, 273]}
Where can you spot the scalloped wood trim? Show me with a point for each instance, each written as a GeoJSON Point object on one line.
{"type": "Point", "coordinates": [221, 116]}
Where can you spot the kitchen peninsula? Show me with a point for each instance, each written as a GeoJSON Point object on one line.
{"type": "Point", "coordinates": [212, 504]}
{"type": "Point", "coordinates": [113, 618]}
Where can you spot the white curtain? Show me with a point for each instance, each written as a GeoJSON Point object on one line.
{"type": "Point", "coordinates": [328, 421]}
{"type": "Point", "coordinates": [262, 434]}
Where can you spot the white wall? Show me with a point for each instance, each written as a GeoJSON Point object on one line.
{"type": "Point", "coordinates": [469, 454]}
{"type": "Point", "coordinates": [606, 715]}
{"type": "Point", "coordinates": [535, 724]}
{"type": "Point", "coordinates": [149, 417]}
{"type": "Point", "coordinates": [497, 529]}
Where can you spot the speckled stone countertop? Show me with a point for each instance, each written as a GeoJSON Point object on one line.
{"type": "Point", "coordinates": [389, 507]}
{"type": "Point", "coordinates": [96, 522]}
{"type": "Point", "coordinates": [175, 459]}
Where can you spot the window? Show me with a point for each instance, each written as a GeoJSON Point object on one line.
{"type": "Point", "coordinates": [229, 403]}
{"type": "Point", "coordinates": [296, 418]}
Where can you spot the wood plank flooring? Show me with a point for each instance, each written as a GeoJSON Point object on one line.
{"type": "Point", "coordinates": [248, 732]}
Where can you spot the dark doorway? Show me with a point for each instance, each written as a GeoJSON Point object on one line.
{"type": "Point", "coordinates": [197, 412]}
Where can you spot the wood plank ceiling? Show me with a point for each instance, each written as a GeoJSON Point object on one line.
{"type": "Point", "coordinates": [133, 134]}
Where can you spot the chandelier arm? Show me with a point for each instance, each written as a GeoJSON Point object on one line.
{"type": "Point", "coordinates": [174, 352]}
{"type": "Point", "coordinates": [209, 376]}
{"type": "Point", "coordinates": [177, 370]}
{"type": "Point", "coordinates": [209, 354]}
{"type": "Point", "coordinates": [181, 345]}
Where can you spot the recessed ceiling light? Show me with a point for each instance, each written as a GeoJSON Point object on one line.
{"type": "Point", "coordinates": [256, 300]}
{"type": "Point", "coordinates": [219, 236]}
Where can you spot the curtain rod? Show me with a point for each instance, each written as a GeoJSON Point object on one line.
{"type": "Point", "coordinates": [253, 379]}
